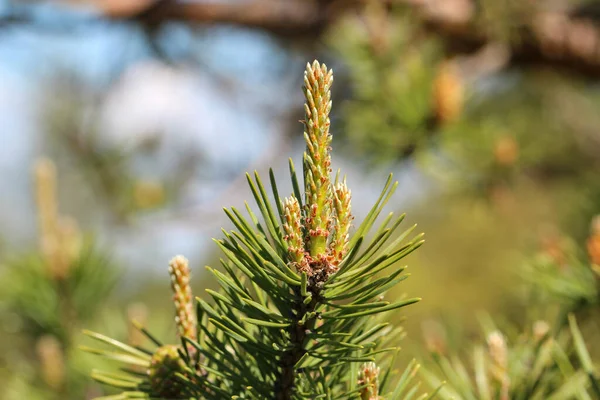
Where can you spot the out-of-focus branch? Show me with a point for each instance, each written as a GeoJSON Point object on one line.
{"type": "Point", "coordinates": [557, 38]}
{"type": "Point", "coordinates": [286, 18]}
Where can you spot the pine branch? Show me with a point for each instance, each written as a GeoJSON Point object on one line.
{"type": "Point", "coordinates": [300, 300]}
{"type": "Point", "coordinates": [285, 383]}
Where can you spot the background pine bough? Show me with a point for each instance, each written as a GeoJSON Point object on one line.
{"type": "Point", "coordinates": [54, 290]}
{"type": "Point", "coordinates": [547, 360]}
{"type": "Point", "coordinates": [299, 312]}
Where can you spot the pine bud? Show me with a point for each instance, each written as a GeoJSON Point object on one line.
{"type": "Point", "coordinates": [499, 354]}
{"type": "Point", "coordinates": [182, 298]}
{"type": "Point", "coordinates": [165, 363]}
{"type": "Point", "coordinates": [60, 239]}
{"type": "Point", "coordinates": [369, 375]}
{"type": "Point", "coordinates": [293, 230]}
{"type": "Point", "coordinates": [317, 158]}
{"type": "Point", "coordinates": [506, 151]}
{"type": "Point", "coordinates": [554, 246]}
{"type": "Point", "coordinates": [343, 219]}
{"type": "Point", "coordinates": [497, 349]}
{"type": "Point", "coordinates": [45, 185]}
{"type": "Point", "coordinates": [448, 93]}
{"type": "Point", "coordinates": [593, 243]}
{"type": "Point", "coordinates": [52, 361]}
{"type": "Point", "coordinates": [47, 208]}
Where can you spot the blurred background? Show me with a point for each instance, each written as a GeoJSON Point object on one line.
{"type": "Point", "coordinates": [126, 126]}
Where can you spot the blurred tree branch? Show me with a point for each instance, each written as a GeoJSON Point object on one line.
{"type": "Point", "coordinates": [560, 38]}
{"type": "Point", "coordinates": [567, 38]}
{"type": "Point", "coordinates": [285, 18]}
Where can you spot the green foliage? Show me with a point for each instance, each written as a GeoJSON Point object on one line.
{"type": "Point", "coordinates": [45, 304]}
{"type": "Point", "coordinates": [563, 279]}
{"type": "Point", "coordinates": [52, 292]}
{"type": "Point", "coordinates": [47, 312]}
{"type": "Point", "coordinates": [546, 361]}
{"type": "Point", "coordinates": [584, 356]}
{"type": "Point", "coordinates": [391, 110]}
{"type": "Point", "coordinates": [533, 366]}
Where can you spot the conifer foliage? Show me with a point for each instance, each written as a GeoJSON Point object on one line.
{"type": "Point", "coordinates": [549, 358]}
{"type": "Point", "coordinates": [52, 291]}
{"type": "Point", "coordinates": [299, 310]}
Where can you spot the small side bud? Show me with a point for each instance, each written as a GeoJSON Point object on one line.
{"type": "Point", "coordinates": [593, 242]}
{"type": "Point", "coordinates": [47, 207]}
{"type": "Point", "coordinates": [343, 220]}
{"type": "Point", "coordinates": [182, 298]}
{"type": "Point", "coordinates": [506, 151]}
{"type": "Point", "coordinates": [165, 363]}
{"type": "Point", "coordinates": [52, 361]}
{"type": "Point", "coordinates": [293, 231]}
{"type": "Point", "coordinates": [448, 93]}
{"type": "Point", "coordinates": [45, 195]}
{"type": "Point", "coordinates": [497, 349]}
{"type": "Point", "coordinates": [369, 375]}
{"type": "Point", "coordinates": [498, 352]}
{"type": "Point", "coordinates": [554, 246]}
{"type": "Point", "coordinates": [60, 238]}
